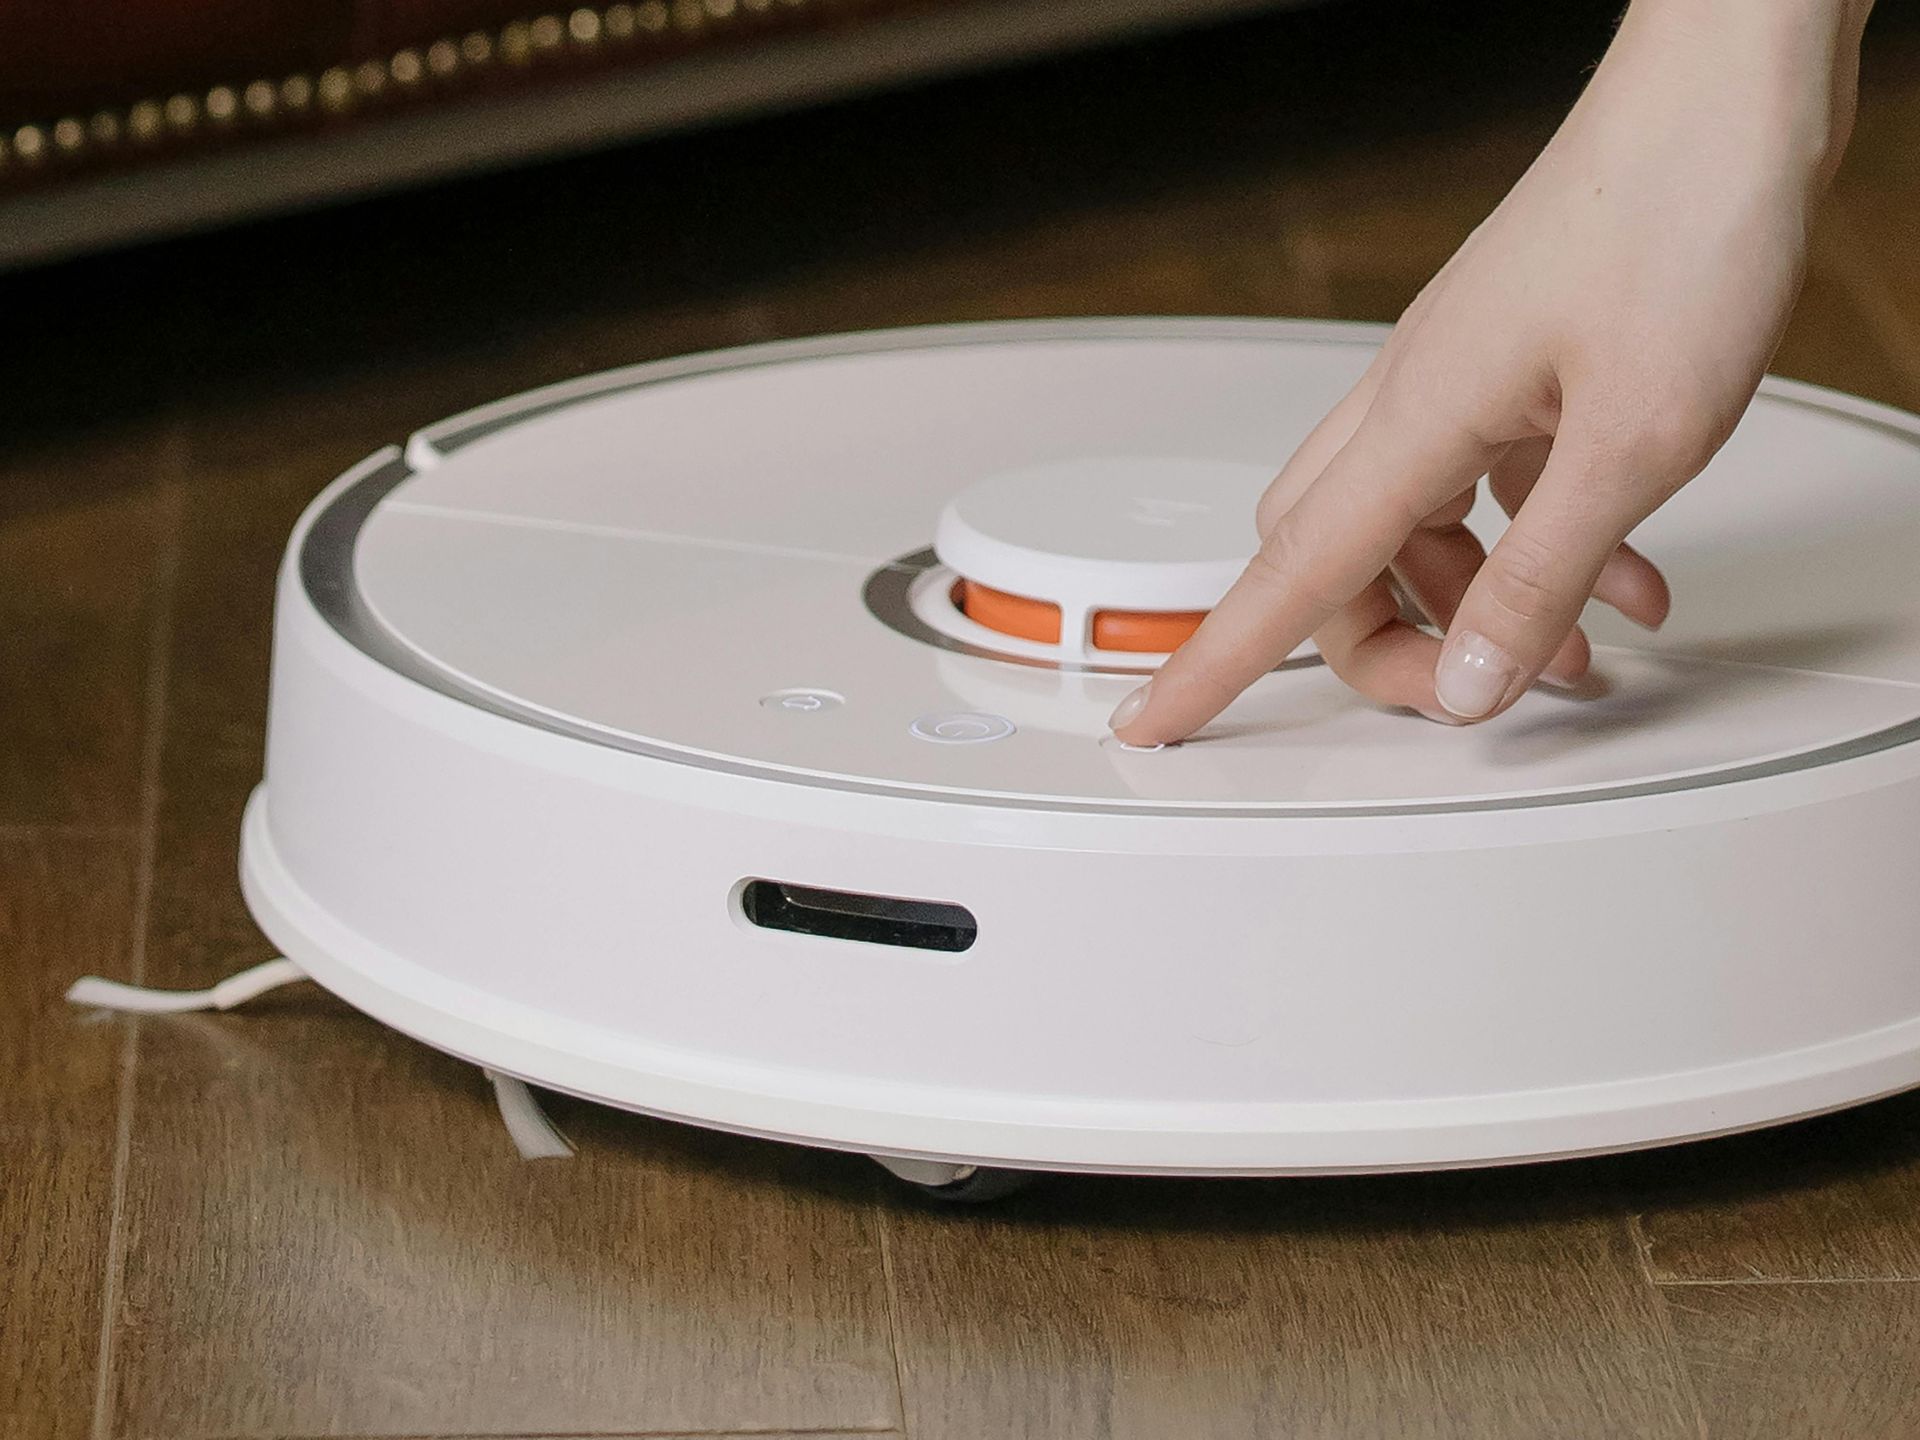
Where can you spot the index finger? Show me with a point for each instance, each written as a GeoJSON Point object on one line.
{"type": "Point", "coordinates": [1343, 532]}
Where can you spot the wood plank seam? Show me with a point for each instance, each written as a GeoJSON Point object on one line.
{"type": "Point", "coordinates": [154, 719]}
{"type": "Point", "coordinates": [1724, 1282]}
{"type": "Point", "coordinates": [885, 1235]}
{"type": "Point", "coordinates": [834, 1433]}
{"type": "Point", "coordinates": [1642, 1246]}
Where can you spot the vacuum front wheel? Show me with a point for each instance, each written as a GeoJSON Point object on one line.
{"type": "Point", "coordinates": [956, 1184]}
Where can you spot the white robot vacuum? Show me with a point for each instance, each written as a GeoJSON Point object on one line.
{"type": "Point", "coordinates": [724, 739]}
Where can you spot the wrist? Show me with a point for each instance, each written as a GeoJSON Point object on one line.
{"type": "Point", "coordinates": [1790, 67]}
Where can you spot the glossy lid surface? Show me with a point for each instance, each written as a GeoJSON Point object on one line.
{"type": "Point", "coordinates": [650, 563]}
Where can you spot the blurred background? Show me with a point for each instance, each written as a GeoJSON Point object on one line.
{"type": "Point", "coordinates": [581, 179]}
{"type": "Point", "coordinates": [244, 243]}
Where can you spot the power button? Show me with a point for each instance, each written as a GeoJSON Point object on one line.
{"type": "Point", "coordinates": [961, 727]}
{"type": "Point", "coordinates": [802, 702]}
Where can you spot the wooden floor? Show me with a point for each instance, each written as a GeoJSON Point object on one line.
{"type": "Point", "coordinates": [290, 1222]}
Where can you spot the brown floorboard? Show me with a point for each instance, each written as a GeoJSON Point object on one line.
{"type": "Point", "coordinates": [66, 904]}
{"type": "Point", "coordinates": [1831, 1199]}
{"type": "Point", "coordinates": [1802, 1362]}
{"type": "Point", "coordinates": [85, 529]}
{"type": "Point", "coordinates": [328, 1232]}
{"type": "Point", "coordinates": [1499, 1304]}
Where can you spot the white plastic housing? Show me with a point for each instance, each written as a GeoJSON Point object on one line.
{"type": "Point", "coordinates": [519, 769]}
{"type": "Point", "coordinates": [1126, 532]}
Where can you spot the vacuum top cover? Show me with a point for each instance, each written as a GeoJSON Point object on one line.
{"type": "Point", "coordinates": [762, 564]}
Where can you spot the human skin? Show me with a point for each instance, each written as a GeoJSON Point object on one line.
{"type": "Point", "coordinates": [1587, 350]}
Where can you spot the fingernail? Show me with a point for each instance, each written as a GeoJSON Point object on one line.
{"type": "Point", "coordinates": [1439, 717]}
{"type": "Point", "coordinates": [1128, 710]}
{"type": "Point", "coordinates": [1474, 675]}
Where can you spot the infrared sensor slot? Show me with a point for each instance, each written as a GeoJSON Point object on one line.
{"type": "Point", "coordinates": [870, 919]}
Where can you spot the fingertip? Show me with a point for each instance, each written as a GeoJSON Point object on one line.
{"type": "Point", "coordinates": [1571, 662]}
{"type": "Point", "coordinates": [1633, 585]}
{"type": "Point", "coordinates": [1660, 603]}
{"type": "Point", "coordinates": [1473, 676]}
{"type": "Point", "coordinates": [1140, 719]}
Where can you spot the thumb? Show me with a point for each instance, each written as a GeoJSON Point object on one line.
{"type": "Point", "coordinates": [1527, 597]}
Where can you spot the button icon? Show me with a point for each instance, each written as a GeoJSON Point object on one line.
{"type": "Point", "coordinates": [961, 727]}
{"type": "Point", "coordinates": [1165, 511]}
{"type": "Point", "coordinates": [802, 702]}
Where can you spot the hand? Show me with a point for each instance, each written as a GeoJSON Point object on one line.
{"type": "Point", "coordinates": [1588, 350]}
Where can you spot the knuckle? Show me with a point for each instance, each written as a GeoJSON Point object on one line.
{"type": "Point", "coordinates": [1405, 511]}
{"type": "Point", "coordinates": [1665, 429]}
{"type": "Point", "coordinates": [1451, 514]}
{"type": "Point", "coordinates": [1272, 508]}
{"type": "Point", "coordinates": [1266, 576]}
{"type": "Point", "coordinates": [1279, 554]}
{"type": "Point", "coordinates": [1668, 442]}
{"type": "Point", "coordinates": [1280, 567]}
{"type": "Point", "coordinates": [1341, 655]}
{"type": "Point", "coordinates": [1431, 400]}
{"type": "Point", "coordinates": [1521, 580]}
{"type": "Point", "coordinates": [1410, 392]}
{"type": "Point", "coordinates": [1347, 640]}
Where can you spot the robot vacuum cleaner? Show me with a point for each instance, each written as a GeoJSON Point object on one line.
{"type": "Point", "coordinates": [724, 739]}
